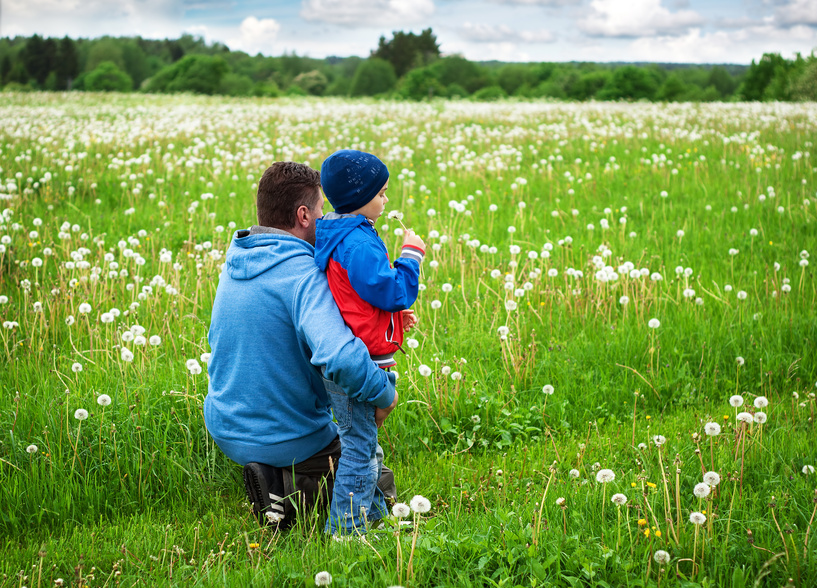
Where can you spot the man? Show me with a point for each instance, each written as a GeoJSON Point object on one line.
{"type": "Point", "coordinates": [275, 334]}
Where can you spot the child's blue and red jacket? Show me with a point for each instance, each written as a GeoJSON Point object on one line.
{"type": "Point", "coordinates": [369, 292]}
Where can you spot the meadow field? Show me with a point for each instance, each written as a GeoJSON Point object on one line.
{"type": "Point", "coordinates": [612, 382]}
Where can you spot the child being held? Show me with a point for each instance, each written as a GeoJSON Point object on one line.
{"type": "Point", "coordinates": [374, 300]}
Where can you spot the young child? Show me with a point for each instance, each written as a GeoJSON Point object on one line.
{"type": "Point", "coordinates": [374, 299]}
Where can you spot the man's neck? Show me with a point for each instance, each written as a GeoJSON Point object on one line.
{"type": "Point", "coordinates": [259, 229]}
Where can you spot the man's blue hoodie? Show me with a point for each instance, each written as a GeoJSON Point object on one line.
{"type": "Point", "coordinates": [274, 329]}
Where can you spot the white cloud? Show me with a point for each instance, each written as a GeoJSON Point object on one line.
{"type": "Point", "coordinates": [797, 12]}
{"type": "Point", "coordinates": [538, 2]}
{"type": "Point", "coordinates": [363, 13]}
{"type": "Point", "coordinates": [91, 18]}
{"type": "Point", "coordinates": [482, 33]}
{"type": "Point", "coordinates": [739, 46]}
{"type": "Point", "coordinates": [256, 36]}
{"type": "Point", "coordinates": [636, 18]}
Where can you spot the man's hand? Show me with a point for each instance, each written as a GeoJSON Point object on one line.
{"type": "Point", "coordinates": [410, 320]}
{"type": "Point", "coordinates": [411, 238]}
{"type": "Point", "coordinates": [380, 414]}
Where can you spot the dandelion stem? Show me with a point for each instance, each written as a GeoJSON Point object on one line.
{"type": "Point", "coordinates": [541, 509]}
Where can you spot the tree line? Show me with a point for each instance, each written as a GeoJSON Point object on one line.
{"type": "Point", "coordinates": [407, 66]}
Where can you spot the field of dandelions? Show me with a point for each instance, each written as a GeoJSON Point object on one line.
{"type": "Point", "coordinates": [612, 383]}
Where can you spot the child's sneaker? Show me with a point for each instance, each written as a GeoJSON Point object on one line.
{"type": "Point", "coordinates": [265, 489]}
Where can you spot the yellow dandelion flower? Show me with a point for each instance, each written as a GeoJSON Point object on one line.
{"type": "Point", "coordinates": [658, 533]}
{"type": "Point", "coordinates": [651, 485]}
{"type": "Point", "coordinates": [646, 532]}
{"type": "Point", "coordinates": [642, 522]}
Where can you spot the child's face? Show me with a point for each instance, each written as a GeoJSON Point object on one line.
{"type": "Point", "coordinates": [376, 205]}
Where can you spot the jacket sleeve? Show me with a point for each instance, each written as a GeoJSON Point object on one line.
{"type": "Point", "coordinates": [341, 356]}
{"type": "Point", "coordinates": [388, 288]}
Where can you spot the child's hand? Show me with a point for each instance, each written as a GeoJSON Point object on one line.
{"type": "Point", "coordinates": [410, 320]}
{"type": "Point", "coordinates": [411, 238]}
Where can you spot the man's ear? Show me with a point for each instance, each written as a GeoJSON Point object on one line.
{"type": "Point", "coordinates": [302, 216]}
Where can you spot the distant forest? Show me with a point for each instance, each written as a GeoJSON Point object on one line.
{"type": "Point", "coordinates": [407, 66]}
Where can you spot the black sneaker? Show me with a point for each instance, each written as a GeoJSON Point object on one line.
{"type": "Point", "coordinates": [265, 489]}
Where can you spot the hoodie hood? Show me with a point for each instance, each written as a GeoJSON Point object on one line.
{"type": "Point", "coordinates": [331, 230]}
{"type": "Point", "coordinates": [253, 252]}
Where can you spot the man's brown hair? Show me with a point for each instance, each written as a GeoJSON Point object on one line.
{"type": "Point", "coordinates": [283, 189]}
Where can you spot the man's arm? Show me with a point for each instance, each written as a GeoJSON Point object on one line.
{"type": "Point", "coordinates": [342, 356]}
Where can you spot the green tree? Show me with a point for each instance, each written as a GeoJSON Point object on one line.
{"type": "Point", "coordinates": [35, 59]}
{"type": "Point", "coordinates": [312, 82]}
{"type": "Point", "coordinates": [630, 82]}
{"type": "Point", "coordinates": [458, 70]}
{"type": "Point", "coordinates": [722, 80]}
{"type": "Point", "coordinates": [760, 75]}
{"type": "Point", "coordinates": [267, 89]}
{"type": "Point", "coordinates": [407, 50]}
{"type": "Point", "coordinates": [341, 86]}
{"type": "Point", "coordinates": [804, 87]}
{"type": "Point", "coordinates": [373, 76]}
{"type": "Point", "coordinates": [105, 49]}
{"type": "Point", "coordinates": [456, 91]}
{"type": "Point", "coordinates": [588, 84]}
{"type": "Point", "coordinates": [421, 83]}
{"type": "Point", "coordinates": [135, 62]}
{"type": "Point", "coordinates": [5, 68]}
{"type": "Point", "coordinates": [510, 77]}
{"type": "Point", "coordinates": [489, 94]}
{"type": "Point", "coordinates": [107, 77]}
{"type": "Point", "coordinates": [233, 84]}
{"type": "Point", "coordinates": [200, 74]}
{"type": "Point", "coordinates": [672, 89]}
{"type": "Point", "coordinates": [67, 63]}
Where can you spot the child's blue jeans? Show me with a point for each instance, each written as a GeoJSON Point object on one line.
{"type": "Point", "coordinates": [356, 498]}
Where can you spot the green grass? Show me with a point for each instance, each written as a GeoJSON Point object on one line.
{"type": "Point", "coordinates": [138, 494]}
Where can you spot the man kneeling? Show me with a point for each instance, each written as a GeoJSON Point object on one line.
{"type": "Point", "coordinates": [276, 335]}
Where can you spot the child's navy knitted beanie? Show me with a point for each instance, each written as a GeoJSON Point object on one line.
{"type": "Point", "coordinates": [350, 179]}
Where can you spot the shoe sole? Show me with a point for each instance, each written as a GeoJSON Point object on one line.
{"type": "Point", "coordinates": [263, 501]}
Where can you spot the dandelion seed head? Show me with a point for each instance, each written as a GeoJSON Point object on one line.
{"type": "Point", "coordinates": [32, 449]}
{"type": "Point", "coordinates": [701, 490]}
{"type": "Point", "coordinates": [736, 400]}
{"type": "Point", "coordinates": [712, 478]}
{"type": "Point", "coordinates": [604, 476]}
{"type": "Point", "coordinates": [80, 414]}
{"type": "Point", "coordinates": [424, 370]}
{"type": "Point", "coordinates": [193, 366]}
{"type": "Point", "coordinates": [761, 402]}
{"type": "Point", "coordinates": [697, 518]}
{"type": "Point", "coordinates": [420, 504]}
{"type": "Point", "coordinates": [712, 429]}
{"type": "Point", "coordinates": [323, 579]}
{"type": "Point", "coordinates": [619, 499]}
{"type": "Point", "coordinates": [103, 400]}
{"type": "Point", "coordinates": [401, 510]}
{"type": "Point", "coordinates": [661, 557]}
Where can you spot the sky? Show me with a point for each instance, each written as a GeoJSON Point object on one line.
{"type": "Point", "coordinates": [680, 31]}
